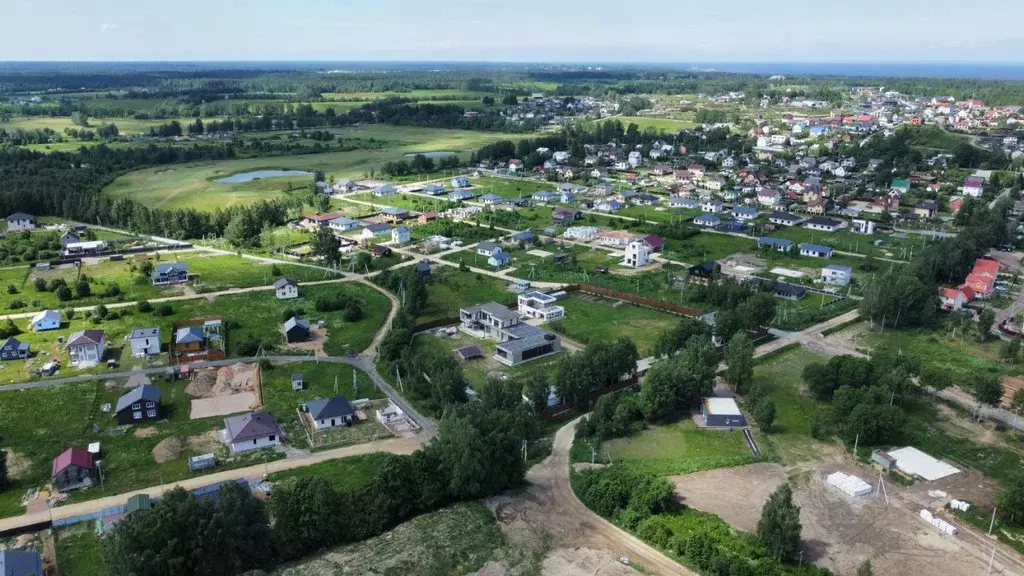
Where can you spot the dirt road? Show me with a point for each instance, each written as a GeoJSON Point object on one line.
{"type": "Point", "coordinates": [552, 476]}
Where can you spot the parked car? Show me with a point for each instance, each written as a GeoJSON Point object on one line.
{"type": "Point", "coordinates": [601, 269]}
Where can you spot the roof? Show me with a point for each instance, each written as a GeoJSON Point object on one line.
{"type": "Point", "coordinates": [137, 503]}
{"type": "Point", "coordinates": [814, 247]}
{"type": "Point", "coordinates": [295, 321]}
{"type": "Point", "coordinates": [344, 221]}
{"type": "Point", "coordinates": [491, 198]}
{"type": "Point", "coordinates": [526, 337]}
{"type": "Point", "coordinates": [823, 222]}
{"type": "Point", "coordinates": [324, 408]}
{"type": "Point", "coordinates": [85, 338]}
{"type": "Point", "coordinates": [706, 268]}
{"type": "Point", "coordinates": [949, 292]}
{"type": "Point", "coordinates": [392, 211]}
{"type": "Point", "coordinates": [523, 235]}
{"type": "Point", "coordinates": [917, 463]}
{"type": "Point", "coordinates": [488, 246]}
{"type": "Point", "coordinates": [983, 266]}
{"type": "Point", "coordinates": [149, 332]}
{"type": "Point", "coordinates": [144, 393]}
{"type": "Point", "coordinates": [20, 216]}
{"type": "Point", "coordinates": [189, 334]}
{"type": "Point", "coordinates": [778, 242]}
{"type": "Point", "coordinates": [654, 241]}
{"type": "Point", "coordinates": [251, 426]}
{"type": "Point", "coordinates": [423, 265]}
{"type": "Point", "coordinates": [168, 267]}
{"type": "Point", "coordinates": [786, 289]}
{"type": "Point", "coordinates": [282, 282]}
{"type": "Point", "coordinates": [839, 268]}
{"type": "Point", "coordinates": [20, 563]}
{"type": "Point", "coordinates": [467, 352]}
{"type": "Point", "coordinates": [722, 407]}
{"type": "Point", "coordinates": [13, 342]}
{"type": "Point", "coordinates": [71, 457]}
{"type": "Point", "coordinates": [493, 309]}
{"type": "Point", "coordinates": [707, 218]}
{"type": "Point", "coordinates": [745, 210]}
{"type": "Point", "coordinates": [378, 227]}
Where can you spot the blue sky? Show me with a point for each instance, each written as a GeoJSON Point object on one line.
{"type": "Point", "coordinates": [489, 30]}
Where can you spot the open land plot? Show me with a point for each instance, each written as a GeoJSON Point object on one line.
{"type": "Point", "coordinates": [510, 188]}
{"type": "Point", "coordinates": [40, 423]}
{"type": "Point", "coordinates": [80, 552]}
{"type": "Point", "coordinates": [192, 185]}
{"type": "Point", "coordinates": [412, 202]}
{"type": "Point", "coordinates": [478, 370]}
{"type": "Point", "coordinates": [593, 318]}
{"type": "Point", "coordinates": [663, 216]}
{"type": "Point", "coordinates": [450, 289]}
{"type": "Point", "coordinates": [128, 126]}
{"type": "Point", "coordinates": [659, 124]}
{"type": "Point", "coordinates": [350, 474]}
{"type": "Point", "coordinates": [893, 246]}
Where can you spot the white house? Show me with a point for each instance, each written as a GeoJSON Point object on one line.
{"type": "Point", "coordinates": [252, 431]}
{"type": "Point", "coordinates": [400, 235]}
{"type": "Point", "coordinates": [823, 224]}
{"type": "Point", "coordinates": [539, 305]}
{"type": "Point", "coordinates": [561, 157]}
{"type": "Point", "coordinates": [45, 320]}
{"type": "Point", "coordinates": [488, 248]}
{"type": "Point", "coordinates": [744, 213]}
{"type": "Point", "coordinates": [635, 159]}
{"type": "Point", "coordinates": [785, 219]}
{"type": "Point", "coordinates": [862, 226]}
{"type": "Point", "coordinates": [768, 197]}
{"type": "Point", "coordinates": [20, 221]}
{"type": "Point", "coordinates": [582, 233]}
{"type": "Point", "coordinates": [638, 254]}
{"type": "Point", "coordinates": [326, 413]}
{"type": "Point", "coordinates": [385, 190]}
{"type": "Point", "coordinates": [343, 224]}
{"type": "Point", "coordinates": [815, 250]}
{"type": "Point", "coordinates": [286, 289]}
{"type": "Point", "coordinates": [374, 230]}
{"type": "Point", "coordinates": [144, 342]}
{"type": "Point", "coordinates": [836, 274]}
{"type": "Point", "coordinates": [86, 348]}
{"type": "Point", "coordinates": [711, 206]}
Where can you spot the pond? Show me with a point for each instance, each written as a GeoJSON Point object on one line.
{"type": "Point", "coordinates": [436, 154]}
{"type": "Point", "coordinates": [260, 175]}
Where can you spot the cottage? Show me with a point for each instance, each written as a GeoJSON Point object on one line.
{"type": "Point", "coordinates": [252, 432]}
{"type": "Point", "coordinates": [82, 249]}
{"type": "Point", "coordinates": [744, 213]}
{"type": "Point", "coordinates": [862, 226]}
{"type": "Point", "coordinates": [682, 202]}
{"type": "Point", "coordinates": [657, 243]}
{"type": "Point", "coordinates": [638, 254]}
{"type": "Point", "coordinates": [330, 412]}
{"type": "Point", "coordinates": [86, 348]}
{"type": "Point", "coordinates": [423, 268]}
{"type": "Point", "coordinates": [926, 209]}
{"type": "Point", "coordinates": [953, 299]}
{"type": "Point", "coordinates": [777, 244]}
{"type": "Point", "coordinates": [342, 224]}
{"type": "Point", "coordinates": [815, 250]}
{"type": "Point", "coordinates": [712, 207]}
{"type": "Point", "coordinates": [296, 330]}
{"type": "Point", "coordinates": [286, 289]}
{"type": "Point", "coordinates": [13, 349]}
{"type": "Point", "coordinates": [974, 186]}
{"type": "Point", "coordinates": [372, 231]}
{"type": "Point", "coordinates": [836, 274]}
{"type": "Point", "coordinates": [646, 200]}
{"type": "Point", "coordinates": [705, 272]}
{"type": "Point", "coordinates": [342, 186]}
{"type": "Point", "coordinates": [20, 563]}
{"type": "Point", "coordinates": [488, 248]}
{"type": "Point", "coordinates": [563, 216]}
{"type": "Point", "coordinates": [539, 305]}
{"type": "Point", "coordinates": [492, 200]}
{"type": "Point", "coordinates": [517, 342]}
{"type": "Point", "coordinates": [823, 224]}
{"type": "Point", "coordinates": [45, 320]}
{"type": "Point", "coordinates": [461, 195]}
{"type": "Point", "coordinates": [72, 470]}
{"type": "Point", "coordinates": [722, 412]}
{"type": "Point", "coordinates": [426, 217]}
{"type": "Point", "coordinates": [608, 206]}
{"type": "Point", "coordinates": [769, 197]}
{"type": "Point", "coordinates": [170, 273]}
{"type": "Point", "coordinates": [401, 235]}
{"type": "Point", "coordinates": [707, 221]}
{"type": "Point", "coordinates": [19, 221]}
{"type": "Point", "coordinates": [543, 197]}
{"type": "Point", "coordinates": [144, 342]}
{"type": "Point", "coordinates": [139, 404]}
{"type": "Point", "coordinates": [385, 190]}
{"type": "Point", "coordinates": [460, 182]}
{"type": "Point", "coordinates": [189, 339]}
{"type": "Point", "coordinates": [392, 214]}
{"type": "Point", "coordinates": [785, 219]}
{"type": "Point", "coordinates": [788, 291]}
{"type": "Point", "coordinates": [434, 189]}
{"type": "Point", "coordinates": [525, 237]}
{"type": "Point", "coordinates": [499, 259]}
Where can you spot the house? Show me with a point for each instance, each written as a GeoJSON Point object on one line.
{"type": "Point", "coordinates": [517, 342]}
{"type": "Point", "coordinates": [144, 342]}
{"type": "Point", "coordinates": [286, 289]}
{"type": "Point", "coordinates": [460, 182]}
{"type": "Point", "coordinates": [901, 185]}
{"type": "Point", "coordinates": [20, 221]}
{"type": "Point", "coordinates": [342, 224]}
{"type": "Point", "coordinates": [744, 213]}
{"type": "Point", "coordinates": [252, 431]}
{"type": "Point", "coordinates": [189, 339]}
{"type": "Point", "coordinates": [68, 238]}
{"type": "Point", "coordinates": [86, 348]}
{"type": "Point", "coordinates": [423, 267]}
{"type": "Point", "coordinates": [401, 235]}
{"type": "Point", "coordinates": [296, 330]}
{"type": "Point", "coordinates": [974, 186]}
{"type": "Point", "coordinates": [385, 190]}
{"type": "Point", "coordinates": [20, 563]}
{"type": "Point", "coordinates": [499, 259]}
{"type": "Point", "coordinates": [426, 217]}
{"type": "Point", "coordinates": [952, 299]}
{"type": "Point", "coordinates": [564, 216]}
{"type": "Point", "coordinates": [539, 305]}
{"type": "Point", "coordinates": [460, 195]}
{"type": "Point", "coordinates": [392, 214]}
{"type": "Point", "coordinates": [608, 206]}
{"type": "Point", "coordinates": [926, 209]}
{"type": "Point", "coordinates": [514, 165]}
{"type": "Point", "coordinates": [823, 224]}
{"type": "Point", "coordinates": [705, 272]}
{"type": "Point", "coordinates": [638, 254]}
{"type": "Point", "coordinates": [139, 404]}
{"type": "Point", "coordinates": [777, 244]}
{"type": "Point", "coordinates": [722, 412]}
{"type": "Point", "coordinates": [815, 250]}
{"type": "Point", "coordinates": [657, 243]}
{"type": "Point", "coordinates": [616, 238]}
{"type": "Point", "coordinates": [768, 197]}
{"type": "Point", "coordinates": [682, 202]}
{"type": "Point", "coordinates": [836, 274]}
{"type": "Point", "coordinates": [376, 230]}
{"type": "Point", "coordinates": [329, 412]}
{"type": "Point", "coordinates": [13, 349]}
{"type": "Point", "coordinates": [712, 207]}
{"type": "Point", "coordinates": [581, 233]}
{"type": "Point", "coordinates": [488, 248]}
{"type": "Point", "coordinates": [434, 190]}
{"type": "Point", "coordinates": [342, 186]}
{"type": "Point", "coordinates": [862, 226]}
{"type": "Point", "coordinates": [785, 219]}
{"type": "Point", "coordinates": [525, 237]}
{"type": "Point", "coordinates": [982, 278]}
{"type": "Point", "coordinates": [316, 220]}
{"type": "Point", "coordinates": [543, 197]}
{"type": "Point", "coordinates": [45, 320]}
{"type": "Point", "coordinates": [170, 273]}
{"type": "Point", "coordinates": [492, 200]}
{"type": "Point", "coordinates": [707, 220]}
{"type": "Point", "coordinates": [788, 291]}
{"type": "Point", "coordinates": [88, 248]}
{"type": "Point", "coordinates": [646, 200]}
{"type": "Point", "coordinates": [72, 470]}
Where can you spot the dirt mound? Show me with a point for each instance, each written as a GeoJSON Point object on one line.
{"type": "Point", "coordinates": [145, 432]}
{"type": "Point", "coordinates": [17, 464]}
{"type": "Point", "coordinates": [168, 449]}
{"type": "Point", "coordinates": [202, 384]}
{"type": "Point", "coordinates": [210, 383]}
{"type": "Point", "coordinates": [583, 562]}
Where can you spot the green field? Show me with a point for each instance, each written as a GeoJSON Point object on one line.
{"type": "Point", "coordinates": [193, 186]}
{"type": "Point", "coordinates": [510, 188]}
{"type": "Point", "coordinates": [591, 318]}
{"type": "Point", "coordinates": [80, 552]}
{"type": "Point", "coordinates": [343, 474]}
{"type": "Point", "coordinates": [658, 124]}
{"type": "Point", "coordinates": [127, 126]}
{"type": "Point", "coordinates": [450, 289]}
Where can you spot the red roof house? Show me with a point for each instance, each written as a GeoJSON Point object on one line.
{"type": "Point", "coordinates": [72, 470]}
{"type": "Point", "coordinates": [657, 243]}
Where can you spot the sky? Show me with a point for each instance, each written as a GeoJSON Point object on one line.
{"type": "Point", "coordinates": [677, 31]}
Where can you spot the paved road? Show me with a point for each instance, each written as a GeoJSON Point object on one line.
{"type": "Point", "coordinates": [552, 475]}
{"type": "Point", "coordinates": [255, 472]}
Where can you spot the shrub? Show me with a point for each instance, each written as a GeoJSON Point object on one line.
{"type": "Point", "coordinates": [68, 314]}
{"type": "Point", "coordinates": [112, 290]}
{"type": "Point", "coordinates": [164, 310]}
{"type": "Point", "coordinates": [56, 283]}
{"type": "Point", "coordinates": [63, 293]}
{"type": "Point", "coordinates": [100, 311]}
{"type": "Point", "coordinates": [16, 304]}
{"type": "Point", "coordinates": [353, 311]}
{"type": "Point", "coordinates": [144, 306]}
{"type": "Point", "coordinates": [12, 289]}
{"type": "Point", "coordinates": [247, 347]}
{"type": "Point", "coordinates": [39, 284]}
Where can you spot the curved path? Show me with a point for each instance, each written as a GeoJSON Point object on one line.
{"type": "Point", "coordinates": [552, 475]}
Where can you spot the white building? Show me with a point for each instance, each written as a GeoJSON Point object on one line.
{"type": "Point", "coordinates": [20, 221]}
{"type": "Point", "coordinates": [836, 274]}
{"type": "Point", "coordinates": [638, 254]}
{"type": "Point", "coordinates": [863, 226]}
{"type": "Point", "coordinates": [286, 289]}
{"type": "Point", "coordinates": [253, 431]}
{"type": "Point", "coordinates": [582, 233]}
{"type": "Point", "coordinates": [539, 305]}
{"type": "Point", "coordinates": [400, 235]}
{"type": "Point", "coordinates": [144, 342]}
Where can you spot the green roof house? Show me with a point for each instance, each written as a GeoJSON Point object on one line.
{"type": "Point", "coordinates": [901, 184]}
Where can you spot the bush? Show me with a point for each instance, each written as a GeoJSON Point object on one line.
{"type": "Point", "coordinates": [16, 304]}
{"type": "Point", "coordinates": [325, 304]}
{"type": "Point", "coordinates": [63, 293]}
{"type": "Point", "coordinates": [353, 311]}
{"type": "Point", "coordinates": [39, 284]}
{"type": "Point", "coordinates": [55, 284]}
{"type": "Point", "coordinates": [68, 314]}
{"type": "Point", "coordinates": [112, 290]}
{"type": "Point", "coordinates": [12, 289]}
{"type": "Point", "coordinates": [164, 310]}
{"type": "Point", "coordinates": [100, 311]}
{"type": "Point", "coordinates": [144, 306]}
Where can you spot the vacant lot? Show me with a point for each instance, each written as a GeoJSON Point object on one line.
{"type": "Point", "coordinates": [450, 289]}
{"type": "Point", "coordinates": [592, 318]}
{"type": "Point", "coordinates": [478, 370]}
{"type": "Point", "coordinates": [80, 552]}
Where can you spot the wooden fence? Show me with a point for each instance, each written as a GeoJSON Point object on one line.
{"type": "Point", "coordinates": [638, 300]}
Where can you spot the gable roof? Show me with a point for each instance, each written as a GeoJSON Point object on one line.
{"type": "Point", "coordinates": [189, 334]}
{"type": "Point", "coordinates": [282, 282]}
{"type": "Point", "coordinates": [20, 563]}
{"type": "Point", "coordinates": [20, 216]}
{"type": "Point", "coordinates": [323, 408]}
{"type": "Point", "coordinates": [776, 242]}
{"type": "Point", "coordinates": [378, 227]}
{"type": "Point", "coordinates": [294, 322]}
{"type": "Point", "coordinates": [839, 268]}
{"type": "Point", "coordinates": [144, 393]}
{"type": "Point", "coordinates": [13, 342]}
{"type": "Point", "coordinates": [53, 315]}
{"type": "Point", "coordinates": [815, 247]}
{"type": "Point", "coordinates": [169, 267]}
{"type": "Point", "coordinates": [251, 426]}
{"type": "Point", "coordinates": [488, 246]}
{"type": "Point", "coordinates": [85, 338]}
{"type": "Point", "coordinates": [823, 222]}
{"type": "Point", "coordinates": [71, 457]}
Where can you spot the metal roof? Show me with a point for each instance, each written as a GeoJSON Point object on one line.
{"type": "Point", "coordinates": [323, 408]}
{"type": "Point", "coordinates": [251, 426]}
{"type": "Point", "coordinates": [142, 393]}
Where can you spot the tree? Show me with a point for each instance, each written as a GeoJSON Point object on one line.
{"type": "Point", "coordinates": [739, 358]}
{"type": "Point", "coordinates": [985, 321]}
{"type": "Point", "coordinates": [353, 311]}
{"type": "Point", "coordinates": [988, 390]}
{"type": "Point", "coordinates": [63, 293]}
{"type": "Point", "coordinates": [82, 288]}
{"type": "Point", "coordinates": [1011, 503]}
{"type": "Point", "coordinates": [326, 245]}
{"type": "Point", "coordinates": [79, 119]}
{"type": "Point", "coordinates": [1011, 352]}
{"type": "Point", "coordinates": [305, 516]}
{"type": "Point", "coordinates": [779, 528]}
{"type": "Point", "coordinates": [764, 413]}
{"type": "Point", "coordinates": [1017, 402]}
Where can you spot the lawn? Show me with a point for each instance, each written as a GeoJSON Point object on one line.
{"type": "Point", "coordinates": [592, 318]}
{"type": "Point", "coordinates": [192, 185]}
{"type": "Point", "coordinates": [509, 187]}
{"type": "Point", "coordinates": [343, 474]}
{"type": "Point", "coordinates": [450, 289]}
{"type": "Point", "coordinates": [677, 448]}
{"type": "Point", "coordinates": [80, 552]}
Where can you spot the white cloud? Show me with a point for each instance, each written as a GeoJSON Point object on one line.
{"type": "Point", "coordinates": [108, 26]}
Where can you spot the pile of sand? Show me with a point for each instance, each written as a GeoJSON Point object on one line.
{"type": "Point", "coordinates": [168, 449]}
{"type": "Point", "coordinates": [210, 383]}
{"type": "Point", "coordinates": [202, 383]}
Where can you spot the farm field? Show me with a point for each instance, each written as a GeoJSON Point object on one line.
{"type": "Point", "coordinates": [193, 186]}
{"type": "Point", "coordinates": [129, 126]}
{"type": "Point", "coordinates": [592, 318]}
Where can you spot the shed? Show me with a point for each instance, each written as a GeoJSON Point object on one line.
{"type": "Point", "coordinates": [468, 352]}
{"type": "Point", "coordinates": [202, 462]}
{"type": "Point", "coordinates": [20, 563]}
{"type": "Point", "coordinates": [722, 412]}
{"type": "Point", "coordinates": [296, 330]}
{"type": "Point", "coordinates": [883, 459]}
{"type": "Point", "coordinates": [297, 383]}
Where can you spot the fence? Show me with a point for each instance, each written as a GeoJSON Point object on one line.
{"type": "Point", "coordinates": [112, 511]}
{"type": "Point", "coordinates": [639, 300]}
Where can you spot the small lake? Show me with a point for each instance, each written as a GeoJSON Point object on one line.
{"type": "Point", "coordinates": [260, 175]}
{"type": "Point", "coordinates": [438, 154]}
